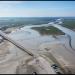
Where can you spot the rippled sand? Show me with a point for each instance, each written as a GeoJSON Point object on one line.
{"type": "Point", "coordinates": [32, 40]}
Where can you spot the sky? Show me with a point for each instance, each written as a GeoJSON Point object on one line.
{"type": "Point", "coordinates": [37, 8]}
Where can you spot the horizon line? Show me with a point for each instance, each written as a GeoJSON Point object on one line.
{"type": "Point", "coordinates": [40, 16]}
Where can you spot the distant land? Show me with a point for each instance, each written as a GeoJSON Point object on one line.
{"type": "Point", "coordinates": [8, 22]}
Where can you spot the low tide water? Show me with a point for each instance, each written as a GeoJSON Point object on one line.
{"type": "Point", "coordinates": [30, 38]}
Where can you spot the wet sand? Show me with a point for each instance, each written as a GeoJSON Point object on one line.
{"type": "Point", "coordinates": [32, 40]}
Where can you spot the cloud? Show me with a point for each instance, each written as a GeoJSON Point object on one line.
{"type": "Point", "coordinates": [9, 4]}
{"type": "Point", "coordinates": [13, 8]}
{"type": "Point", "coordinates": [34, 13]}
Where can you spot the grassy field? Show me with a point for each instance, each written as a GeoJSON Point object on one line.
{"type": "Point", "coordinates": [50, 30]}
{"type": "Point", "coordinates": [69, 23]}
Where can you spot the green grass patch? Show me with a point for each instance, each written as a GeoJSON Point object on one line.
{"type": "Point", "coordinates": [69, 23]}
{"type": "Point", "coordinates": [50, 30]}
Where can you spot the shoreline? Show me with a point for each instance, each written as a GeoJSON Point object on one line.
{"type": "Point", "coordinates": [32, 40]}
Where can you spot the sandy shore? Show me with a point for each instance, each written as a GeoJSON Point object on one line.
{"type": "Point", "coordinates": [32, 40]}
{"type": "Point", "coordinates": [10, 58]}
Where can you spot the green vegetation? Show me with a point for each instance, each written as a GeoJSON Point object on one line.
{"type": "Point", "coordinates": [50, 30]}
{"type": "Point", "coordinates": [9, 22]}
{"type": "Point", "coordinates": [69, 23]}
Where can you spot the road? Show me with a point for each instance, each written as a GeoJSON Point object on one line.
{"type": "Point", "coordinates": [65, 30]}
{"type": "Point", "coordinates": [17, 44]}
{"type": "Point", "coordinates": [46, 64]}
